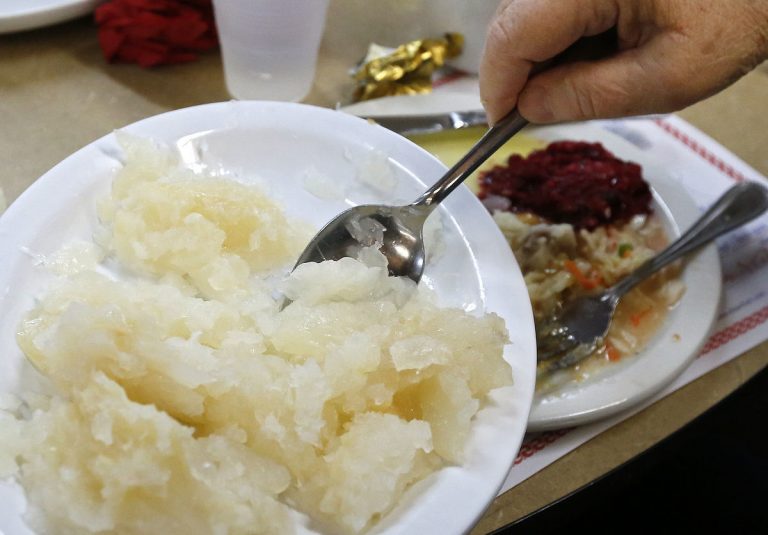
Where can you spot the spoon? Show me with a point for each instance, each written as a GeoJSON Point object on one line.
{"type": "Point", "coordinates": [399, 229]}
{"type": "Point", "coordinates": [580, 328]}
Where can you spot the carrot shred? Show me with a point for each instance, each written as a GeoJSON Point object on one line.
{"type": "Point", "coordinates": [637, 318]}
{"type": "Point", "coordinates": [584, 281]}
{"type": "Point", "coordinates": [612, 353]}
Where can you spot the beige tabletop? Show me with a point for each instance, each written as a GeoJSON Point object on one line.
{"type": "Point", "coordinates": [57, 94]}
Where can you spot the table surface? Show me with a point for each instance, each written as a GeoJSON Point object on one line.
{"type": "Point", "coordinates": [57, 94]}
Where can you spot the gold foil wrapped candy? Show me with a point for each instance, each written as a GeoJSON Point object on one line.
{"type": "Point", "coordinates": [408, 69]}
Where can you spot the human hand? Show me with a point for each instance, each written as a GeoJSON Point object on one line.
{"type": "Point", "coordinates": [670, 55]}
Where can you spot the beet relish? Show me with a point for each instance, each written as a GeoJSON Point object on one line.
{"type": "Point", "coordinates": [570, 182]}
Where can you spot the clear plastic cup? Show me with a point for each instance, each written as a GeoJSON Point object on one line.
{"type": "Point", "coordinates": [269, 47]}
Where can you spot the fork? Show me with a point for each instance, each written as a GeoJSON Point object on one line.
{"type": "Point", "coordinates": [569, 338]}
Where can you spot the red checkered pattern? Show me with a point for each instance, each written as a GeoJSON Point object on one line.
{"type": "Point", "coordinates": [731, 332]}
{"type": "Point", "coordinates": [700, 150]}
{"type": "Point", "coordinates": [538, 443]}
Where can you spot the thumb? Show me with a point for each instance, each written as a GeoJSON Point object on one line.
{"type": "Point", "coordinates": [655, 78]}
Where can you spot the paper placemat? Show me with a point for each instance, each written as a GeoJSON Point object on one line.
{"type": "Point", "coordinates": [706, 170]}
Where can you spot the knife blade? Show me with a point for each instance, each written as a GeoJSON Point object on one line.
{"type": "Point", "coordinates": [429, 123]}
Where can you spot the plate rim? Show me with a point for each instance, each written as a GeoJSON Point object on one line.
{"type": "Point", "coordinates": [436, 102]}
{"type": "Point", "coordinates": [32, 17]}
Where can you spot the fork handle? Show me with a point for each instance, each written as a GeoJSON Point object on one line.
{"type": "Point", "coordinates": [737, 206]}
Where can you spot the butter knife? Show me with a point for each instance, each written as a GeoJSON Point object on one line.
{"type": "Point", "coordinates": [430, 123]}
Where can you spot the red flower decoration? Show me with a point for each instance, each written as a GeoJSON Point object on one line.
{"type": "Point", "coordinates": [155, 32]}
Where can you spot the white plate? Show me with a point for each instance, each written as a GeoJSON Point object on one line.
{"type": "Point", "coordinates": [274, 144]}
{"type": "Point", "coordinates": [440, 102]}
{"type": "Point", "coordinates": [18, 15]}
{"type": "Point", "coordinates": [622, 385]}
{"type": "Point", "coordinates": [619, 386]}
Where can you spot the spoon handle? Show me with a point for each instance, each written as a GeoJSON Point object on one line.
{"type": "Point", "coordinates": [739, 205]}
{"type": "Point", "coordinates": [491, 141]}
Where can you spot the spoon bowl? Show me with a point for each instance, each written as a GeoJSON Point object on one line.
{"type": "Point", "coordinates": [398, 230]}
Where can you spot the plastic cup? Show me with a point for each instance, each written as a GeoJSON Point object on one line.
{"type": "Point", "coordinates": [269, 47]}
